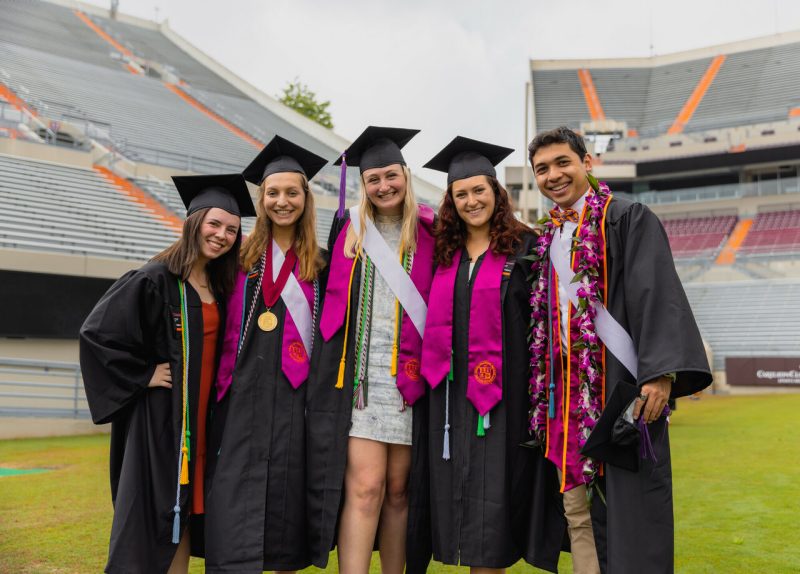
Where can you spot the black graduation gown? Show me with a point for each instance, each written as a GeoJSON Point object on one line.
{"type": "Point", "coordinates": [635, 532]}
{"type": "Point", "coordinates": [480, 498]}
{"type": "Point", "coordinates": [255, 503]}
{"type": "Point", "coordinates": [328, 422]}
{"type": "Point", "coordinates": [133, 328]}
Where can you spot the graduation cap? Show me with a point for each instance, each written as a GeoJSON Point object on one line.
{"type": "Point", "coordinates": [227, 191]}
{"type": "Point", "coordinates": [280, 155]}
{"type": "Point", "coordinates": [377, 147]}
{"type": "Point", "coordinates": [464, 157]}
{"type": "Point", "coordinates": [615, 439]}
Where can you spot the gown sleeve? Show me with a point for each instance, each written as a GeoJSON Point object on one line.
{"type": "Point", "coordinates": [660, 320]}
{"type": "Point", "coordinates": [118, 343]}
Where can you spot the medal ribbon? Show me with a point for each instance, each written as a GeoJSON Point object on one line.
{"type": "Point", "coordinates": [270, 289]}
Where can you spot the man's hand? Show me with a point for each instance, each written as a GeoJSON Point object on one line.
{"type": "Point", "coordinates": [161, 377]}
{"type": "Point", "coordinates": [653, 397]}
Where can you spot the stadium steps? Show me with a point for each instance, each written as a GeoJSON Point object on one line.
{"type": "Point", "coordinates": [65, 209]}
{"type": "Point", "coordinates": [727, 256]}
{"type": "Point", "coordinates": [688, 109]}
{"type": "Point", "coordinates": [130, 65]}
{"type": "Point", "coordinates": [214, 116]}
{"type": "Point", "coordinates": [590, 95]}
{"type": "Point", "coordinates": [137, 195]}
{"type": "Point", "coordinates": [748, 318]}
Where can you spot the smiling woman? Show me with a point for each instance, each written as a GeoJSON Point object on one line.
{"type": "Point", "coordinates": [148, 357]}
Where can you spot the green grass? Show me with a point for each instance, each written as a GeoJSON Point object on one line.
{"type": "Point", "coordinates": [736, 481]}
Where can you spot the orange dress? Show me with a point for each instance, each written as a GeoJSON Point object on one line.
{"type": "Point", "coordinates": [207, 372]}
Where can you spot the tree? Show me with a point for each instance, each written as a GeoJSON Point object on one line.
{"type": "Point", "coordinates": [297, 96]}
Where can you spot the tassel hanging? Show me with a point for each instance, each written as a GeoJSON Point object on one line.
{"type": "Point", "coordinates": [551, 402]}
{"type": "Point", "coordinates": [340, 376]}
{"type": "Point", "coordinates": [176, 525]}
{"type": "Point", "coordinates": [481, 429]}
{"type": "Point", "coordinates": [446, 445]}
{"type": "Point", "coordinates": [185, 466]}
{"type": "Point", "coordinates": [342, 187]}
{"type": "Point", "coordinates": [394, 360]}
{"type": "Point", "coordinates": [361, 401]}
{"type": "Point", "coordinates": [486, 423]}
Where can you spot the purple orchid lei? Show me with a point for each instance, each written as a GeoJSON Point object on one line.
{"type": "Point", "coordinates": [590, 352]}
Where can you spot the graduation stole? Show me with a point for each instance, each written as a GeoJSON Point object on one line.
{"type": "Point", "coordinates": [485, 357]}
{"type": "Point", "coordinates": [183, 451]}
{"type": "Point", "coordinates": [300, 298]}
{"type": "Point", "coordinates": [567, 396]}
{"type": "Point", "coordinates": [336, 310]}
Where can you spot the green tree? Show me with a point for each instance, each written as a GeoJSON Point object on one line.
{"type": "Point", "coordinates": [297, 96]}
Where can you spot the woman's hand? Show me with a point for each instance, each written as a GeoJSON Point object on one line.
{"type": "Point", "coordinates": [161, 377]}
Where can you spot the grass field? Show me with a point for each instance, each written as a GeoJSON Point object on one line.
{"type": "Point", "coordinates": [736, 482]}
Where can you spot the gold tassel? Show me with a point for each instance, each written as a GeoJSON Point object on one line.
{"type": "Point", "coordinates": [185, 466]}
{"type": "Point", "coordinates": [340, 377]}
{"type": "Point", "coordinates": [394, 360]}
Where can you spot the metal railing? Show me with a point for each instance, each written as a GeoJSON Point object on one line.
{"type": "Point", "coordinates": [41, 389]}
{"type": "Point", "coordinates": [726, 191]}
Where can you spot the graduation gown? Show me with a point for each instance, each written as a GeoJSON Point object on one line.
{"type": "Point", "coordinates": [328, 422]}
{"type": "Point", "coordinates": [480, 498]}
{"type": "Point", "coordinates": [634, 532]}
{"type": "Point", "coordinates": [255, 503]}
{"type": "Point", "coordinates": [134, 327]}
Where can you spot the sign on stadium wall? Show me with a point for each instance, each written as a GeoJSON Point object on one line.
{"type": "Point", "coordinates": [763, 371]}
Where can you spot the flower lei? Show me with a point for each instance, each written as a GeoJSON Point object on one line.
{"type": "Point", "coordinates": [590, 355]}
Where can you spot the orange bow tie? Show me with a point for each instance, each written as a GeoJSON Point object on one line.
{"type": "Point", "coordinates": [559, 216]}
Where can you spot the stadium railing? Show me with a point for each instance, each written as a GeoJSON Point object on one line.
{"type": "Point", "coordinates": [32, 388]}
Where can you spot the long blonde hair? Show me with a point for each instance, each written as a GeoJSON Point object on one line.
{"type": "Point", "coordinates": [408, 230]}
{"type": "Point", "coordinates": [305, 241]}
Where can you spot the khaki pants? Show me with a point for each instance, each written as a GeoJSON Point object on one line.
{"type": "Point", "coordinates": [579, 526]}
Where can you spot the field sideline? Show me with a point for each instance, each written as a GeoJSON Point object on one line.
{"type": "Point", "coordinates": [736, 481]}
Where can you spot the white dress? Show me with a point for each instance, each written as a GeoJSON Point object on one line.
{"type": "Point", "coordinates": [383, 419]}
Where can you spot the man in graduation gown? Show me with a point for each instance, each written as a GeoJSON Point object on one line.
{"type": "Point", "coordinates": [617, 503]}
{"type": "Point", "coordinates": [141, 322]}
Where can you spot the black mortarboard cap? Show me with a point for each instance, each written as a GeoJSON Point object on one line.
{"type": "Point", "coordinates": [464, 157]}
{"type": "Point", "coordinates": [377, 147]}
{"type": "Point", "coordinates": [227, 191]}
{"type": "Point", "coordinates": [612, 440]}
{"type": "Point", "coordinates": [280, 155]}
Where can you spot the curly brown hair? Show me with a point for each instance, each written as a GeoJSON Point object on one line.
{"type": "Point", "coordinates": [505, 231]}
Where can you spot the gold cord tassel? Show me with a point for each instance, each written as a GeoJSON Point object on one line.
{"type": "Point", "coordinates": [185, 466]}
{"type": "Point", "coordinates": [340, 376]}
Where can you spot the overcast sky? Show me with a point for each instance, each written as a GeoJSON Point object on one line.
{"type": "Point", "coordinates": [449, 67]}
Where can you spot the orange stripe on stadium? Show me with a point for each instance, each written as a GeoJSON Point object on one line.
{"type": "Point", "coordinates": [728, 254]}
{"type": "Point", "coordinates": [12, 98]}
{"type": "Point", "coordinates": [590, 95]}
{"type": "Point", "coordinates": [138, 196]}
{"type": "Point", "coordinates": [694, 100]}
{"type": "Point", "coordinates": [99, 31]}
{"type": "Point", "coordinates": [220, 120]}
{"type": "Point", "coordinates": [794, 112]}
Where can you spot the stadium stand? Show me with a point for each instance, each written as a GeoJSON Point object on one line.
{"type": "Point", "coordinates": [64, 209]}
{"type": "Point", "coordinates": [748, 318]}
{"type": "Point", "coordinates": [698, 236]}
{"type": "Point", "coordinates": [153, 127]}
{"type": "Point", "coordinates": [773, 233]}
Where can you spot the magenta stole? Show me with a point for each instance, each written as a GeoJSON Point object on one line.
{"type": "Point", "coordinates": [409, 383]}
{"type": "Point", "coordinates": [485, 361]}
{"type": "Point", "coordinates": [294, 358]}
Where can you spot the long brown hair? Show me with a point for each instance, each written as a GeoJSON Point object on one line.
{"type": "Point", "coordinates": [181, 256]}
{"type": "Point", "coordinates": [505, 231]}
{"type": "Point", "coordinates": [305, 241]}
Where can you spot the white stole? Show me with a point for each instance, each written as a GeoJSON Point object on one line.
{"type": "Point", "coordinates": [392, 272]}
{"type": "Point", "coordinates": [294, 298]}
{"type": "Point", "coordinates": [614, 336]}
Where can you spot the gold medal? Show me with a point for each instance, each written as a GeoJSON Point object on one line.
{"type": "Point", "coordinates": [267, 321]}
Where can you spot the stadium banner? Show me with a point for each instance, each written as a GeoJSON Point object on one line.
{"type": "Point", "coordinates": [763, 371]}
